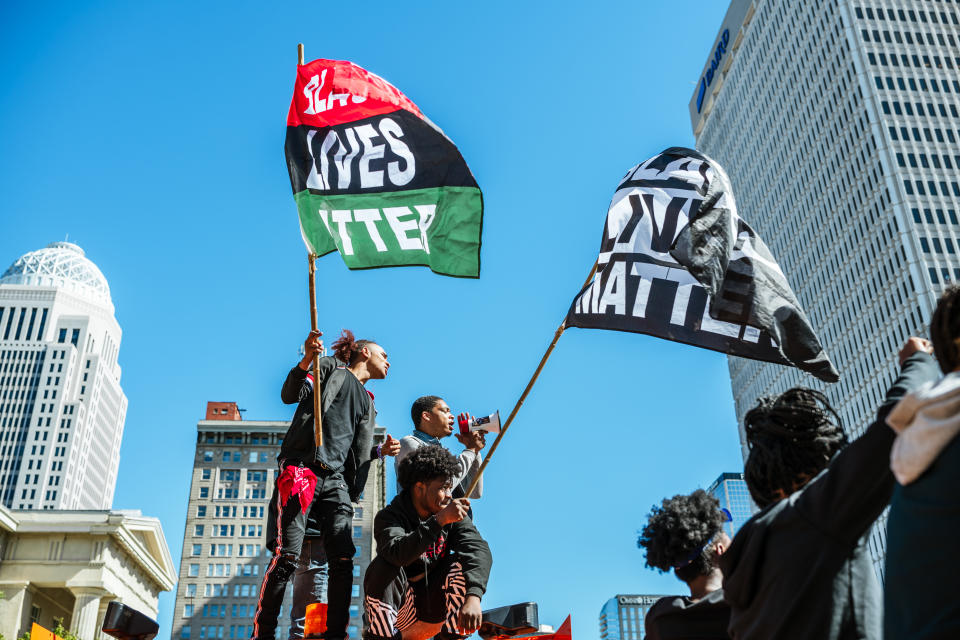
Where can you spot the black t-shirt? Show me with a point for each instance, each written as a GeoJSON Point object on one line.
{"type": "Point", "coordinates": [341, 419]}
{"type": "Point", "coordinates": [682, 618]}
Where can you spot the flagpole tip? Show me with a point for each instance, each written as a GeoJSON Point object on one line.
{"type": "Point", "coordinates": [300, 54]}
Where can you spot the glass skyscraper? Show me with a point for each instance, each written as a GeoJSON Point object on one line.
{"type": "Point", "coordinates": [731, 490]}
{"type": "Point", "coordinates": [621, 617]}
{"type": "Point", "coordinates": [838, 122]}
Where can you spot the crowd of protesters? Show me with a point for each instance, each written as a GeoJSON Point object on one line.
{"type": "Point", "coordinates": [432, 565]}
{"type": "Point", "coordinates": [800, 568]}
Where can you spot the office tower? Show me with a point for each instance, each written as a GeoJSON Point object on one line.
{"type": "Point", "coordinates": [223, 543]}
{"type": "Point", "coordinates": [61, 405]}
{"type": "Point", "coordinates": [731, 490]}
{"type": "Point", "coordinates": [621, 617]}
{"type": "Point", "coordinates": [837, 122]}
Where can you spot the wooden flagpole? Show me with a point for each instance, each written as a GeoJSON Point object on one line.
{"type": "Point", "coordinates": [312, 258]}
{"type": "Point", "coordinates": [523, 396]}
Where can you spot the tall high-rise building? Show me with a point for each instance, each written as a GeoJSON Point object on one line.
{"type": "Point", "coordinates": [621, 617]}
{"type": "Point", "coordinates": [731, 490]}
{"type": "Point", "coordinates": [61, 406]}
{"type": "Point", "coordinates": [223, 542]}
{"type": "Point", "coordinates": [838, 124]}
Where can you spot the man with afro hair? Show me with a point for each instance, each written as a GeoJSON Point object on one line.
{"type": "Point", "coordinates": [432, 566]}
{"type": "Point", "coordinates": [685, 534]}
{"type": "Point", "coordinates": [800, 567]}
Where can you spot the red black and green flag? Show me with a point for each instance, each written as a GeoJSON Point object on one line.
{"type": "Point", "coordinates": [374, 179]}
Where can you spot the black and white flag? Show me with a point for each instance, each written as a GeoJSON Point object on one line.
{"type": "Point", "coordinates": [679, 263]}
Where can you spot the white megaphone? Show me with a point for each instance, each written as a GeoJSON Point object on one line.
{"type": "Point", "coordinates": [490, 424]}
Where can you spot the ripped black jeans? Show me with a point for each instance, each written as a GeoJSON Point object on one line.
{"type": "Point", "coordinates": [331, 502]}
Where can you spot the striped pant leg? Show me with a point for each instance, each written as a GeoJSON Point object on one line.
{"type": "Point", "coordinates": [290, 522]}
{"type": "Point", "coordinates": [455, 593]}
{"type": "Point", "coordinates": [389, 613]}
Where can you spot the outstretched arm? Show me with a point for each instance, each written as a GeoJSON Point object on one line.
{"type": "Point", "coordinates": [853, 490]}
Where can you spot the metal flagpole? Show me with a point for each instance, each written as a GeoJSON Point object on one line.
{"type": "Point", "coordinates": [523, 396]}
{"type": "Point", "coordinates": [312, 258]}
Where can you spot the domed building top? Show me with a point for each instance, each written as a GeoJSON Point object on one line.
{"type": "Point", "coordinates": [63, 265]}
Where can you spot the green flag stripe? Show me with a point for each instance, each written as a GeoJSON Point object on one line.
{"type": "Point", "coordinates": [399, 228]}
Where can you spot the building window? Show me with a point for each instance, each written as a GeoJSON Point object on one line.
{"type": "Point", "coordinates": [204, 492]}
{"type": "Point", "coordinates": [191, 590]}
{"type": "Point", "coordinates": [194, 570]}
{"type": "Point", "coordinates": [188, 611]}
{"type": "Point", "coordinates": [205, 474]}
{"type": "Point", "coordinates": [208, 455]}
{"type": "Point", "coordinates": [201, 510]}
{"type": "Point", "coordinates": [34, 614]}
{"type": "Point", "coordinates": [198, 530]}
{"type": "Point", "coordinates": [358, 532]}
{"type": "Point", "coordinates": [62, 337]}
{"type": "Point", "coordinates": [197, 549]}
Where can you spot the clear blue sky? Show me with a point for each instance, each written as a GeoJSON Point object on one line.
{"type": "Point", "coordinates": [152, 134]}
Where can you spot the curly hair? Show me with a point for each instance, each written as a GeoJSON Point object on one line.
{"type": "Point", "coordinates": [424, 403]}
{"type": "Point", "coordinates": [426, 464]}
{"type": "Point", "coordinates": [945, 329]}
{"type": "Point", "coordinates": [346, 348]}
{"type": "Point", "coordinates": [791, 439]}
{"type": "Point", "coordinates": [677, 529]}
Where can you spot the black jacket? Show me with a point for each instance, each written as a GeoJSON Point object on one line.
{"type": "Point", "coordinates": [404, 542]}
{"type": "Point", "coordinates": [682, 618]}
{"type": "Point", "coordinates": [298, 443]}
{"type": "Point", "coordinates": [800, 567]}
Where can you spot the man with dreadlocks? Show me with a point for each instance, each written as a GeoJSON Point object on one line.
{"type": "Point", "coordinates": [685, 534]}
{"type": "Point", "coordinates": [800, 567]}
{"type": "Point", "coordinates": [925, 511]}
{"type": "Point", "coordinates": [325, 480]}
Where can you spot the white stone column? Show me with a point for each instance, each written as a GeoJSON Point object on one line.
{"type": "Point", "coordinates": [14, 608]}
{"type": "Point", "coordinates": [86, 610]}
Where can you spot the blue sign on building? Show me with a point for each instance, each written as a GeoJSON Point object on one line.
{"type": "Point", "coordinates": [707, 78]}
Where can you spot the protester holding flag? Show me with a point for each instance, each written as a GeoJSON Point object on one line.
{"type": "Point", "coordinates": [800, 567]}
{"type": "Point", "coordinates": [685, 534]}
{"type": "Point", "coordinates": [432, 565]}
{"type": "Point", "coordinates": [925, 510]}
{"type": "Point", "coordinates": [330, 477]}
{"type": "Point", "coordinates": [433, 420]}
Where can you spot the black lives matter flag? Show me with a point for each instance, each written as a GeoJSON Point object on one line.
{"type": "Point", "coordinates": [678, 262]}
{"type": "Point", "coordinates": [375, 179]}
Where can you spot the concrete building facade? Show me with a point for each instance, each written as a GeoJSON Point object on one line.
{"type": "Point", "coordinates": [62, 409]}
{"type": "Point", "coordinates": [72, 564]}
{"type": "Point", "coordinates": [223, 546]}
{"type": "Point", "coordinates": [838, 122]}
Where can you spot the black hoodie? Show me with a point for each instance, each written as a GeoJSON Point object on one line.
{"type": "Point", "coordinates": [800, 567]}
{"type": "Point", "coordinates": [405, 542]}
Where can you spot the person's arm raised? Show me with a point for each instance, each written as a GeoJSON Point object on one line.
{"type": "Point", "coordinates": [852, 492]}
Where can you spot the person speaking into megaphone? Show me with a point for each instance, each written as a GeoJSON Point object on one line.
{"type": "Point", "coordinates": [433, 420]}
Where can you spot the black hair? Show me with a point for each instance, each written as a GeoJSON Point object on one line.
{"type": "Point", "coordinates": [347, 349]}
{"type": "Point", "coordinates": [679, 532]}
{"type": "Point", "coordinates": [945, 329]}
{"type": "Point", "coordinates": [421, 404]}
{"type": "Point", "coordinates": [791, 439]}
{"type": "Point", "coordinates": [425, 464]}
